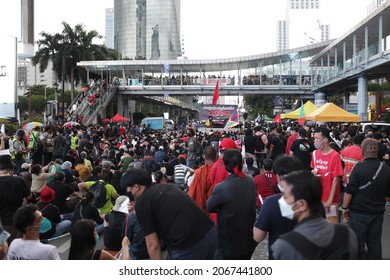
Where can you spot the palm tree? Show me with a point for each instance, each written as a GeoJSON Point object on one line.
{"type": "Point", "coordinates": [76, 42]}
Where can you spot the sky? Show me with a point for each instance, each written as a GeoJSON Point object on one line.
{"type": "Point", "coordinates": [211, 28]}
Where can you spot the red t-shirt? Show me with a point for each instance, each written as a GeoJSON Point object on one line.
{"type": "Point", "coordinates": [263, 188]}
{"type": "Point", "coordinates": [328, 166]}
{"type": "Point", "coordinates": [351, 156]}
{"type": "Point", "coordinates": [290, 140]}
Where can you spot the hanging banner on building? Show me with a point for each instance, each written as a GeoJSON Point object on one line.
{"type": "Point", "coordinates": [216, 112]}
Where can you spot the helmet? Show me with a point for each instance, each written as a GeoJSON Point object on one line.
{"type": "Point", "coordinates": [20, 132]}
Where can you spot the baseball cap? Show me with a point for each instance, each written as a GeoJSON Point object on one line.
{"type": "Point", "coordinates": [370, 148]}
{"type": "Point", "coordinates": [26, 165]}
{"type": "Point", "coordinates": [47, 195]}
{"type": "Point", "coordinates": [228, 143]}
{"type": "Point", "coordinates": [121, 204]}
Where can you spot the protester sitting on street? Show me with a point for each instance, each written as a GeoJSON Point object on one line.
{"type": "Point", "coordinates": [114, 222]}
{"type": "Point", "coordinates": [66, 198]}
{"type": "Point", "coordinates": [39, 177]}
{"type": "Point", "coordinates": [84, 240]}
{"type": "Point", "coordinates": [51, 212]}
{"type": "Point", "coordinates": [28, 220]}
{"type": "Point", "coordinates": [82, 169]}
{"type": "Point", "coordinates": [86, 210]}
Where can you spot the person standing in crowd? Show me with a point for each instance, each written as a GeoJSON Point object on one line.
{"type": "Point", "coordinates": [35, 145]}
{"type": "Point", "coordinates": [47, 140]}
{"type": "Point", "coordinates": [234, 200]}
{"type": "Point", "coordinates": [192, 146]}
{"type": "Point", "coordinates": [302, 148]}
{"type": "Point", "coordinates": [162, 210]}
{"type": "Point", "coordinates": [251, 143]}
{"type": "Point", "coordinates": [277, 144]}
{"type": "Point", "coordinates": [312, 238]}
{"type": "Point", "coordinates": [13, 192]}
{"type": "Point", "coordinates": [28, 220]}
{"type": "Point", "coordinates": [18, 150]}
{"type": "Point", "coordinates": [270, 219]}
{"type": "Point", "coordinates": [365, 196]}
{"type": "Point", "coordinates": [291, 139]}
{"type": "Point", "coordinates": [326, 164]}
{"type": "Point", "coordinates": [59, 143]}
{"type": "Point", "coordinates": [266, 183]}
{"type": "Point", "coordinates": [260, 152]}
{"type": "Point", "coordinates": [201, 184]}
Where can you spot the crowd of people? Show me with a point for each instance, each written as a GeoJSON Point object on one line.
{"type": "Point", "coordinates": [317, 192]}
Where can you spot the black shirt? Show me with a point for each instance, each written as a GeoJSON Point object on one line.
{"type": "Point", "coordinates": [302, 149]}
{"type": "Point", "coordinates": [173, 215]}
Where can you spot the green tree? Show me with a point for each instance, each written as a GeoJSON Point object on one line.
{"type": "Point", "coordinates": [258, 104]}
{"type": "Point", "coordinates": [74, 41]}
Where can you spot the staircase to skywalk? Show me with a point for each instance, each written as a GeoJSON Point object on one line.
{"type": "Point", "coordinates": [89, 112]}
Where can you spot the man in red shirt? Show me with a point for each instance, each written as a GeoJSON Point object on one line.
{"type": "Point", "coordinates": [218, 171]}
{"type": "Point", "coordinates": [291, 139]}
{"type": "Point", "coordinates": [351, 156]}
{"type": "Point", "coordinates": [326, 164]}
{"type": "Point", "coordinates": [266, 184]}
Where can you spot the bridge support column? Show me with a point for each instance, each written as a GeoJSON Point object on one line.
{"type": "Point", "coordinates": [319, 99]}
{"type": "Point", "coordinates": [362, 98]}
{"type": "Point", "coordinates": [119, 105]}
{"type": "Point", "coordinates": [346, 100]}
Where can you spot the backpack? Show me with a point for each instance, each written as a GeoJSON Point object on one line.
{"type": "Point", "coordinates": [99, 191]}
{"type": "Point", "coordinates": [336, 250]}
{"type": "Point", "coordinates": [259, 144]}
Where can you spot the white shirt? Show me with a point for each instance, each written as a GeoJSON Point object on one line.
{"type": "Point", "coordinates": [31, 250]}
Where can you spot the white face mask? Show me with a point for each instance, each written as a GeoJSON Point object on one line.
{"type": "Point", "coordinates": [286, 209]}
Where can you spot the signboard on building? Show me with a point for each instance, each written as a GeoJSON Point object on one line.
{"type": "Point", "coordinates": [217, 112]}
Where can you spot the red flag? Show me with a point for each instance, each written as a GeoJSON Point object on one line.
{"type": "Point", "coordinates": [216, 93]}
{"type": "Point", "coordinates": [278, 119]}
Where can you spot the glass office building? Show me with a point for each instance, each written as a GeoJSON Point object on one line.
{"type": "Point", "coordinates": [147, 29]}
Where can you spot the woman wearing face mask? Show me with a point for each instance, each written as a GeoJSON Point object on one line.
{"type": "Point", "coordinates": [84, 240]}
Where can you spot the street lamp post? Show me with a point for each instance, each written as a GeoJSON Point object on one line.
{"type": "Point", "coordinates": [55, 86]}
{"type": "Point", "coordinates": [64, 57]}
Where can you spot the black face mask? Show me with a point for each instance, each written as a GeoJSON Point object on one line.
{"type": "Point", "coordinates": [130, 196]}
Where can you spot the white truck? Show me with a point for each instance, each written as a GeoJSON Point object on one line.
{"type": "Point", "coordinates": [158, 123]}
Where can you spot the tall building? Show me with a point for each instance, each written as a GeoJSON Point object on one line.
{"type": "Point", "coordinates": [147, 29]}
{"type": "Point", "coordinates": [109, 29]}
{"type": "Point", "coordinates": [302, 25]}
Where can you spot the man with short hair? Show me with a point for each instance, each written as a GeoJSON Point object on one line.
{"type": "Point", "coordinates": [18, 150]}
{"type": "Point", "coordinates": [28, 220]}
{"type": "Point", "coordinates": [234, 199]}
{"type": "Point", "coordinates": [302, 148]}
{"type": "Point", "coordinates": [167, 213]}
{"type": "Point", "coordinates": [326, 164]}
{"type": "Point", "coordinates": [365, 197]}
{"type": "Point", "coordinates": [313, 238]}
{"type": "Point", "coordinates": [270, 219]}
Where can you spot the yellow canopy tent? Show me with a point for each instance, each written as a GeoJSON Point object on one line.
{"type": "Point", "coordinates": [308, 107]}
{"type": "Point", "coordinates": [332, 113]}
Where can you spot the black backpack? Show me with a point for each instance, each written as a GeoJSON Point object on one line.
{"type": "Point", "coordinates": [99, 191]}
{"type": "Point", "coordinates": [259, 144]}
{"type": "Point", "coordinates": [336, 250]}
